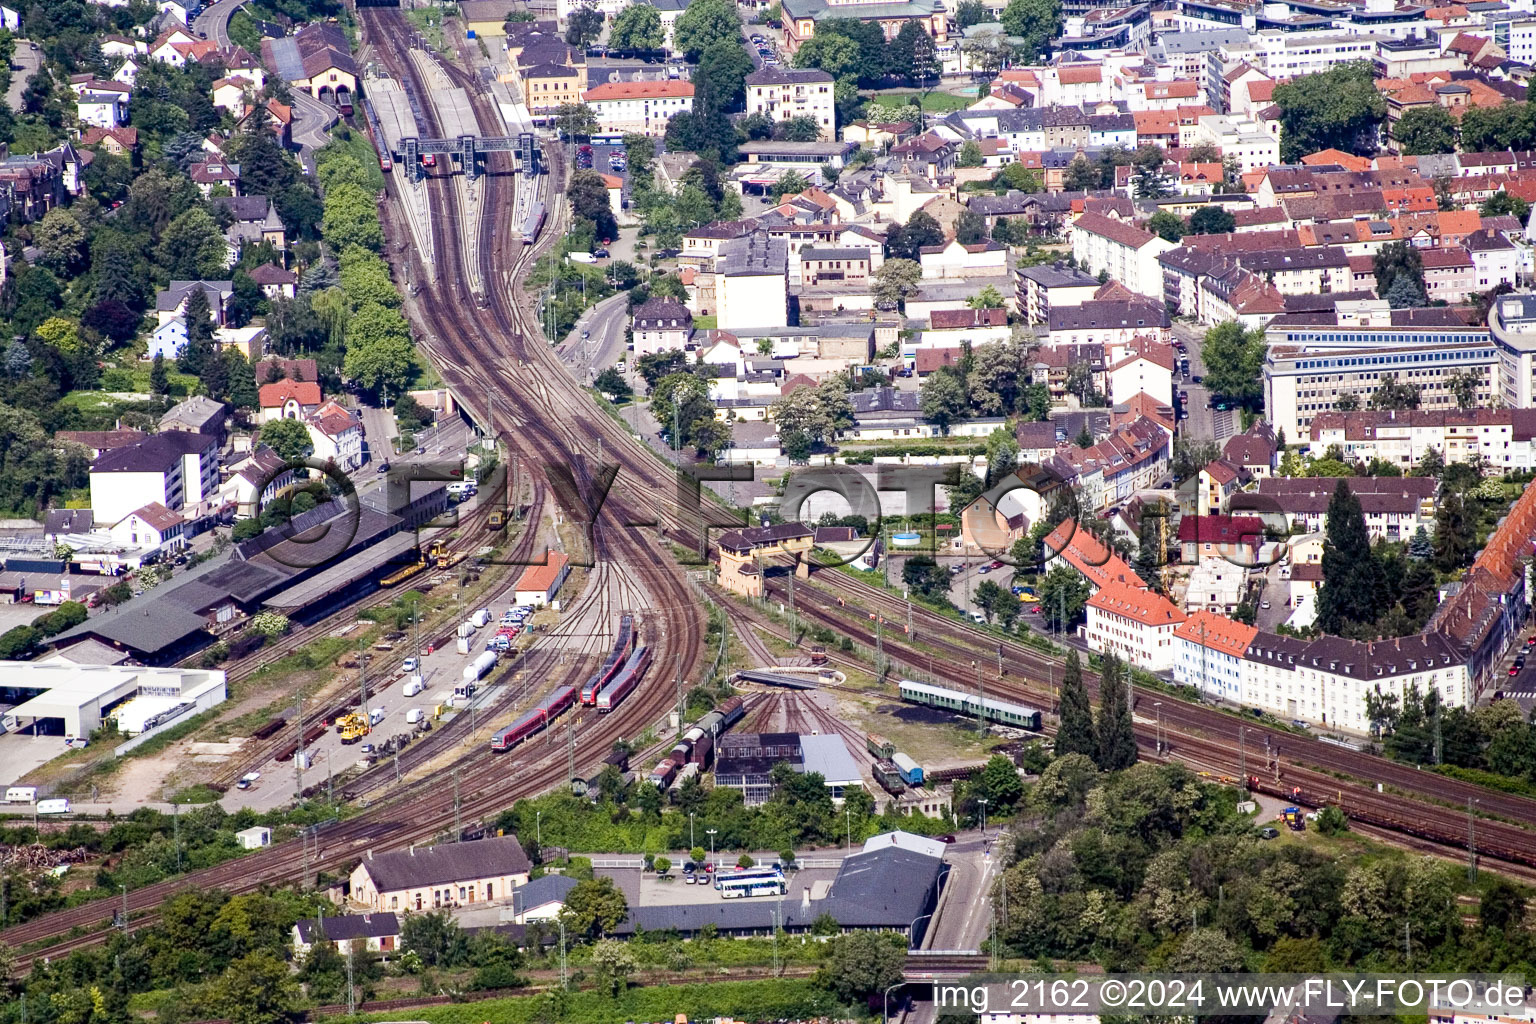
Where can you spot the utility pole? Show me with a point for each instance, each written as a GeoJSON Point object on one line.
{"type": "Point", "coordinates": [351, 988]}
{"type": "Point", "coordinates": [298, 757]}
{"type": "Point", "coordinates": [570, 752]}
{"type": "Point", "coordinates": [794, 624]}
{"type": "Point", "coordinates": [125, 908]}
{"type": "Point", "coordinates": [981, 700]}
{"type": "Point", "coordinates": [1471, 841]}
{"type": "Point", "coordinates": [176, 832]}
{"type": "Point", "coordinates": [455, 805]}
{"type": "Point", "coordinates": [678, 677]}
{"type": "Point", "coordinates": [362, 680]}
{"type": "Point", "coordinates": [879, 647]}
{"type": "Point", "coordinates": [1242, 757]}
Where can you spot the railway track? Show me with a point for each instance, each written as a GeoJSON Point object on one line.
{"type": "Point", "coordinates": [552, 407]}
{"type": "Point", "coordinates": [1417, 805]}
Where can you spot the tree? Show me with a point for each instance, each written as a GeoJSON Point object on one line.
{"type": "Point", "coordinates": [60, 238]}
{"type": "Point", "coordinates": [971, 12]}
{"type": "Point", "coordinates": [255, 989]}
{"type": "Point", "coordinates": [1405, 293]}
{"type": "Point", "coordinates": [1394, 260]}
{"type": "Point", "coordinates": [789, 184]}
{"type": "Point", "coordinates": [583, 26]}
{"type": "Point", "coordinates": [1036, 22]}
{"type": "Point", "coordinates": [722, 72]}
{"type": "Point", "coordinates": [288, 438]}
{"type": "Point", "coordinates": [351, 218]}
{"type": "Point", "coordinates": [1347, 402]}
{"type": "Point", "coordinates": [1350, 593]}
{"type": "Point", "coordinates": [998, 372]}
{"type": "Point", "coordinates": [970, 228]}
{"type": "Point", "coordinates": [198, 351]}
{"type": "Point", "coordinates": [1166, 225]}
{"type": "Point", "coordinates": [1075, 735]}
{"type": "Point", "coordinates": [159, 377]}
{"type": "Point", "coordinates": [1502, 202]}
{"type": "Point", "coordinates": [993, 599]}
{"type": "Point", "coordinates": [1337, 109]}
{"type": "Point", "coordinates": [364, 279]}
{"type": "Point", "coordinates": [589, 199]}
{"type": "Point", "coordinates": [653, 366]}
{"type": "Point", "coordinates": [612, 383]}
{"type": "Point", "coordinates": [709, 437]}
{"type": "Point", "coordinates": [240, 380]}
{"type": "Point", "coordinates": [1206, 949]}
{"type": "Point", "coordinates": [942, 399]}
{"type": "Point", "coordinates": [1081, 176]}
{"type": "Point", "coordinates": [797, 129]}
{"type": "Point", "coordinates": [1234, 362]}
{"type": "Point", "coordinates": [1063, 595]}
{"type": "Point", "coordinates": [906, 241]}
{"type": "Point", "coordinates": [896, 280]}
{"type": "Point", "coordinates": [193, 248]}
{"type": "Point", "coordinates": [637, 27]}
{"type": "Point", "coordinates": [970, 154]}
{"type": "Point", "coordinates": [863, 964]}
{"type": "Point", "coordinates": [613, 963]}
{"type": "Point", "coordinates": [1116, 732]}
{"type": "Point", "coordinates": [1149, 178]}
{"type": "Point", "coordinates": [988, 298]}
{"type": "Point", "coordinates": [380, 356]}
{"type": "Point", "coordinates": [576, 120]}
{"type": "Point", "coordinates": [1451, 532]}
{"type": "Point", "coordinates": [816, 412]}
{"type": "Point", "coordinates": [1211, 220]}
{"type": "Point", "coordinates": [435, 938]}
{"type": "Point", "coordinates": [1394, 394]}
{"type": "Point", "coordinates": [926, 578]}
{"type": "Point", "coordinates": [706, 22]}
{"type": "Point", "coordinates": [595, 907]}
{"type": "Point", "coordinates": [1425, 130]}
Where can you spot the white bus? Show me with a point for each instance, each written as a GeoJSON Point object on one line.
{"type": "Point", "coordinates": [752, 882]}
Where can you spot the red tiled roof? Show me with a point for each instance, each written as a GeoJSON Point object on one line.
{"type": "Point", "coordinates": [1143, 606]}
{"type": "Point", "coordinates": [305, 392]}
{"type": "Point", "coordinates": [638, 90]}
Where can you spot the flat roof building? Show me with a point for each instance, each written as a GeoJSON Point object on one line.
{"type": "Point", "coordinates": [83, 697]}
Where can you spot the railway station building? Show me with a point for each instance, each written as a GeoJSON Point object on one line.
{"type": "Point", "coordinates": [742, 553]}
{"type": "Point", "coordinates": [451, 875]}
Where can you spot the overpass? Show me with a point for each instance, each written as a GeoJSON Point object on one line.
{"type": "Point", "coordinates": [937, 965]}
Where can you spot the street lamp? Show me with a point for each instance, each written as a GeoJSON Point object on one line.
{"type": "Point", "coordinates": [983, 802]}
{"type": "Point", "coordinates": [538, 828]}
{"type": "Point", "coordinates": [711, 833]}
{"type": "Point", "coordinates": [887, 1014]}
{"type": "Point", "coordinates": [911, 930]}
{"type": "Point", "coordinates": [690, 830]}
{"type": "Point", "coordinates": [1157, 707]}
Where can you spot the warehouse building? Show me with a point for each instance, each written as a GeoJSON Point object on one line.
{"type": "Point", "coordinates": [58, 697]}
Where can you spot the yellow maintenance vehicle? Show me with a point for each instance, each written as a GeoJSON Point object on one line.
{"type": "Point", "coordinates": [353, 727]}
{"type": "Point", "coordinates": [439, 554]}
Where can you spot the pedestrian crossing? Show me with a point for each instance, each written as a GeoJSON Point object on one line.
{"type": "Point", "coordinates": [1516, 694]}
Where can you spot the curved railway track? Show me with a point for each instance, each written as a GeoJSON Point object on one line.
{"type": "Point", "coordinates": [552, 406]}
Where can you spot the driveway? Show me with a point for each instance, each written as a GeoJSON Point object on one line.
{"type": "Point", "coordinates": [312, 122]}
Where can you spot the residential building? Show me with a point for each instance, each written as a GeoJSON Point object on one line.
{"type": "Point", "coordinates": [174, 469]}
{"type": "Point", "coordinates": [1132, 458]}
{"type": "Point", "coordinates": [982, 259]}
{"type": "Point", "coordinates": [337, 435]}
{"type": "Point", "coordinates": [641, 108]}
{"type": "Point", "coordinates": [172, 302]}
{"type": "Point", "coordinates": [451, 875]}
{"type": "Point", "coordinates": [254, 481]}
{"type": "Point", "coordinates": [197, 415]}
{"type": "Point", "coordinates": [1394, 507]}
{"type": "Point", "coordinates": [660, 325]}
{"type": "Point", "coordinates": [1134, 624]}
{"type": "Point", "coordinates": [750, 280]}
{"type": "Point", "coordinates": [786, 93]}
{"type": "Point", "coordinates": [800, 18]}
{"type": "Point", "coordinates": [1503, 439]}
{"type": "Point", "coordinates": [1050, 286]}
{"type": "Point", "coordinates": [288, 400]}
{"type": "Point", "coordinates": [317, 59]}
{"type": "Point", "coordinates": [1126, 252]}
{"type": "Point", "coordinates": [548, 87]}
{"type": "Point", "coordinates": [1071, 544]}
{"type": "Point", "coordinates": [151, 530]}
{"type": "Point", "coordinates": [373, 933]}
{"type": "Point", "coordinates": [274, 281]}
{"type": "Point", "coordinates": [1208, 651]}
{"type": "Point", "coordinates": [1233, 538]}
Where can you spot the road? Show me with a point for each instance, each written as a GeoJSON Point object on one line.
{"type": "Point", "coordinates": [24, 64]}
{"type": "Point", "coordinates": [965, 909]}
{"type": "Point", "coordinates": [597, 340]}
{"type": "Point", "coordinates": [213, 23]}
{"type": "Point", "coordinates": [1204, 423]}
{"type": "Point", "coordinates": [312, 122]}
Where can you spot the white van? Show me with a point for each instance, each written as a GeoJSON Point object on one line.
{"type": "Point", "coordinates": [375, 716]}
{"type": "Point", "coordinates": [21, 795]}
{"type": "Point", "coordinates": [57, 806]}
{"type": "Point", "coordinates": [413, 686]}
{"type": "Point", "coordinates": [410, 665]}
{"type": "Point", "coordinates": [413, 716]}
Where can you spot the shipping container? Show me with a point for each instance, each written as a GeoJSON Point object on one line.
{"type": "Point", "coordinates": [462, 645]}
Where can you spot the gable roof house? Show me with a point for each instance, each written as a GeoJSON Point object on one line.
{"type": "Point", "coordinates": [288, 400]}
{"type": "Point", "coordinates": [454, 874]}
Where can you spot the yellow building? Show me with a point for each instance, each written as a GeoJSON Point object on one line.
{"type": "Point", "coordinates": [546, 87]}
{"type": "Point", "coordinates": [743, 552]}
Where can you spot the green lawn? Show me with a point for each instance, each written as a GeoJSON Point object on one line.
{"type": "Point", "coordinates": [934, 102]}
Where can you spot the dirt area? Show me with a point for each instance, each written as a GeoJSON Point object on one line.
{"type": "Point", "coordinates": [934, 739]}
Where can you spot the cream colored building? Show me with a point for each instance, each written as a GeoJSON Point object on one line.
{"type": "Point", "coordinates": [783, 94]}
{"type": "Point", "coordinates": [452, 875]}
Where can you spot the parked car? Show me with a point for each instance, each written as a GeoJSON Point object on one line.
{"type": "Point", "coordinates": [1269, 832]}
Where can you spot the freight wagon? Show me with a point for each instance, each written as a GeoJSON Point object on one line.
{"type": "Point", "coordinates": [662, 775]}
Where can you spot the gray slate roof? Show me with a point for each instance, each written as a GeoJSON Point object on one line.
{"type": "Point", "coordinates": [452, 862]}
{"type": "Point", "coordinates": [156, 453]}
{"type": "Point", "coordinates": [349, 926]}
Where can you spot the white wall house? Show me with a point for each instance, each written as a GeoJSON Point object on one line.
{"type": "Point", "coordinates": [1133, 624]}
{"type": "Point", "coordinates": [783, 94]}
